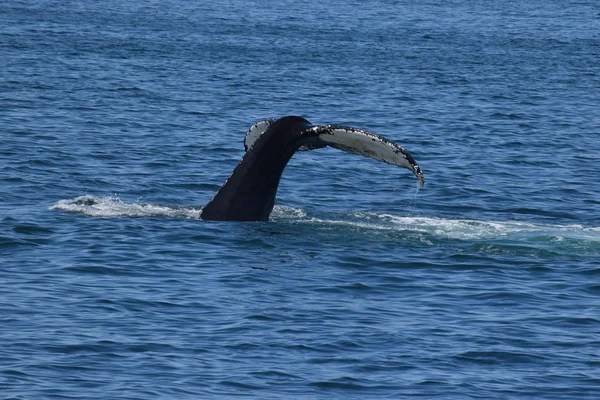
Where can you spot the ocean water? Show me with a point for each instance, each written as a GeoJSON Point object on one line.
{"type": "Point", "coordinates": [120, 120]}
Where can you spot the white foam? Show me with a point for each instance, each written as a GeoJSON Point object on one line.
{"type": "Point", "coordinates": [461, 229]}
{"type": "Point", "coordinates": [93, 206]}
{"type": "Point", "coordinates": [283, 212]}
{"type": "Point", "coordinates": [464, 229]}
{"type": "Point", "coordinates": [112, 206]}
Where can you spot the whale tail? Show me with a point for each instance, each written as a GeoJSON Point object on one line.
{"type": "Point", "coordinates": [367, 144]}
{"type": "Point", "coordinates": [249, 192]}
{"type": "Point", "coordinates": [348, 139]}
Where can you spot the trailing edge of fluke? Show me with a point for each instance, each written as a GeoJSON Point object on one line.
{"type": "Point", "coordinates": [249, 193]}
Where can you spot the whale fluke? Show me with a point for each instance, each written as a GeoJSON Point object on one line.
{"type": "Point", "coordinates": [249, 192]}
{"type": "Point", "coordinates": [359, 141]}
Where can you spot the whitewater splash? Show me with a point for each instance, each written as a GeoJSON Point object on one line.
{"type": "Point", "coordinates": [111, 206]}
{"type": "Point", "coordinates": [106, 207]}
{"type": "Point", "coordinates": [460, 229]}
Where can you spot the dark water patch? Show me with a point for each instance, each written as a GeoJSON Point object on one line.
{"type": "Point", "coordinates": [32, 229]}
{"type": "Point", "coordinates": [347, 384]}
{"type": "Point", "coordinates": [265, 318]}
{"type": "Point", "coordinates": [580, 321]}
{"type": "Point", "coordinates": [100, 270]}
{"type": "Point", "coordinates": [241, 385]}
{"type": "Point", "coordinates": [541, 269]}
{"type": "Point", "coordinates": [593, 290]}
{"type": "Point", "coordinates": [506, 116]}
{"type": "Point", "coordinates": [8, 242]}
{"type": "Point", "coordinates": [275, 375]}
{"type": "Point", "coordinates": [500, 357]}
{"type": "Point", "coordinates": [544, 213]}
{"type": "Point", "coordinates": [506, 297]}
{"type": "Point", "coordinates": [347, 288]}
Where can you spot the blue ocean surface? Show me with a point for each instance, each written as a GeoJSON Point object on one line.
{"type": "Point", "coordinates": [119, 120]}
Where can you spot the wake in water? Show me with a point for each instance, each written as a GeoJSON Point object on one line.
{"type": "Point", "coordinates": [108, 207]}
{"type": "Point", "coordinates": [442, 228]}
{"type": "Point", "coordinates": [92, 206]}
{"type": "Point", "coordinates": [465, 229]}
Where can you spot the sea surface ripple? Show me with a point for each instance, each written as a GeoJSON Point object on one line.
{"type": "Point", "coordinates": [120, 120]}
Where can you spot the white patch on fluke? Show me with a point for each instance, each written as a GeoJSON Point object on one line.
{"type": "Point", "coordinates": [255, 131]}
{"type": "Point", "coordinates": [258, 129]}
{"type": "Point", "coordinates": [359, 141]}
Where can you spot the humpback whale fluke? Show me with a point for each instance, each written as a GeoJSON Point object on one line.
{"type": "Point", "coordinates": [249, 193]}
